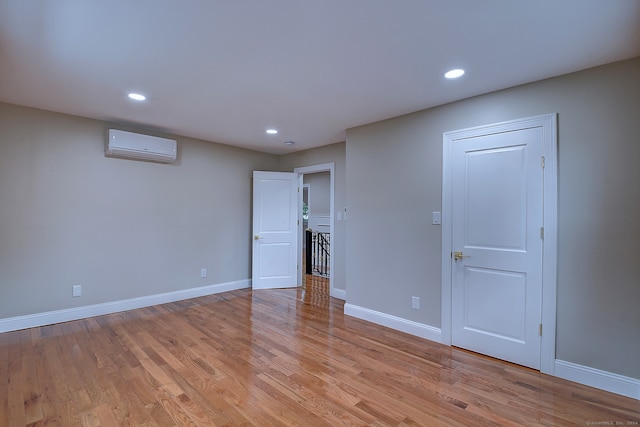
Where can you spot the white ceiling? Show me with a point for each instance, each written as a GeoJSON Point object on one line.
{"type": "Point", "coordinates": [225, 71]}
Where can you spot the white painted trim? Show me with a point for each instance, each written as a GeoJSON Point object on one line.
{"type": "Point", "coordinates": [548, 123]}
{"type": "Point", "coordinates": [324, 167]}
{"type": "Point", "coordinates": [340, 294]}
{"type": "Point", "coordinates": [66, 315]}
{"type": "Point", "coordinates": [408, 326]}
{"type": "Point", "coordinates": [603, 380]}
{"type": "Point", "coordinates": [550, 243]}
{"type": "Point", "coordinates": [447, 236]}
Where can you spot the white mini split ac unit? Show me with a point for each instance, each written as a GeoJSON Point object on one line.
{"type": "Point", "coordinates": [138, 146]}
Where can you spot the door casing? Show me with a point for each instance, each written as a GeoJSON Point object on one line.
{"type": "Point", "coordinates": [548, 124]}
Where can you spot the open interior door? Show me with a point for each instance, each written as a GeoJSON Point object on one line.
{"type": "Point", "coordinates": [275, 230]}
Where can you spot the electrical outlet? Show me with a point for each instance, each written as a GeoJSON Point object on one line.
{"type": "Point", "coordinates": [415, 303]}
{"type": "Point", "coordinates": [203, 272]}
{"type": "Point", "coordinates": [76, 290]}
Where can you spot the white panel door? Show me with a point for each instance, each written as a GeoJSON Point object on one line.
{"type": "Point", "coordinates": [497, 216]}
{"type": "Point", "coordinates": [275, 230]}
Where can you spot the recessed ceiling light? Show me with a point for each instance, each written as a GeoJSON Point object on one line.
{"type": "Point", "coordinates": [137, 97]}
{"type": "Point", "coordinates": [454, 74]}
{"type": "Point", "coordinates": [289, 143]}
{"type": "Point", "coordinates": [272, 131]}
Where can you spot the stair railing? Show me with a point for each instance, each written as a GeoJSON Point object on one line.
{"type": "Point", "coordinates": [318, 253]}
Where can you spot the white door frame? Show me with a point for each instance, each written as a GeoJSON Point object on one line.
{"type": "Point", "coordinates": [548, 123]}
{"type": "Point", "coordinates": [324, 167]}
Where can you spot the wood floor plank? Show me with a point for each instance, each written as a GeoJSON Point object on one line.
{"type": "Point", "coordinates": [15, 384]}
{"type": "Point", "coordinates": [272, 358]}
{"type": "Point", "coordinates": [5, 345]}
{"type": "Point", "coordinates": [32, 396]}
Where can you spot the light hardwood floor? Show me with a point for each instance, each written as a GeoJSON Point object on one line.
{"type": "Point", "coordinates": [272, 357]}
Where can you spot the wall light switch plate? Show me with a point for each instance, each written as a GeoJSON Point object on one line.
{"type": "Point", "coordinates": [436, 218]}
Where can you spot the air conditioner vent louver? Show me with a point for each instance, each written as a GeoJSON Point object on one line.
{"type": "Point", "coordinates": [138, 146]}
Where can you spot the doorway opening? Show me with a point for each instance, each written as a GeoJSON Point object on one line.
{"type": "Point", "coordinates": [316, 230]}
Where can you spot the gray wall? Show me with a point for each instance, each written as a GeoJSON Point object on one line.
{"type": "Point", "coordinates": [320, 193]}
{"type": "Point", "coordinates": [394, 180]}
{"type": "Point", "coordinates": [120, 228]}
{"type": "Point", "coordinates": [329, 153]}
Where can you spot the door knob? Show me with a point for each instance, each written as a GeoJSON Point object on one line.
{"type": "Point", "coordinates": [256, 237]}
{"type": "Point", "coordinates": [457, 255]}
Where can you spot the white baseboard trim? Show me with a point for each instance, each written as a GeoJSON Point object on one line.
{"type": "Point", "coordinates": [339, 293]}
{"type": "Point", "coordinates": [619, 384]}
{"type": "Point", "coordinates": [68, 314]}
{"type": "Point", "coordinates": [408, 326]}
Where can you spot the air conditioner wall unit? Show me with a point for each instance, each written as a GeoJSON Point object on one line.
{"type": "Point", "coordinates": [138, 146]}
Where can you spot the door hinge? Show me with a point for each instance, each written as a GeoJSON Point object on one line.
{"type": "Point", "coordinates": [542, 233]}
{"type": "Point", "coordinates": [542, 162]}
{"type": "Point", "coordinates": [540, 329]}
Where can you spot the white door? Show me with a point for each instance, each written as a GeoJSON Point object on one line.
{"type": "Point", "coordinates": [275, 230]}
{"type": "Point", "coordinates": [497, 215]}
